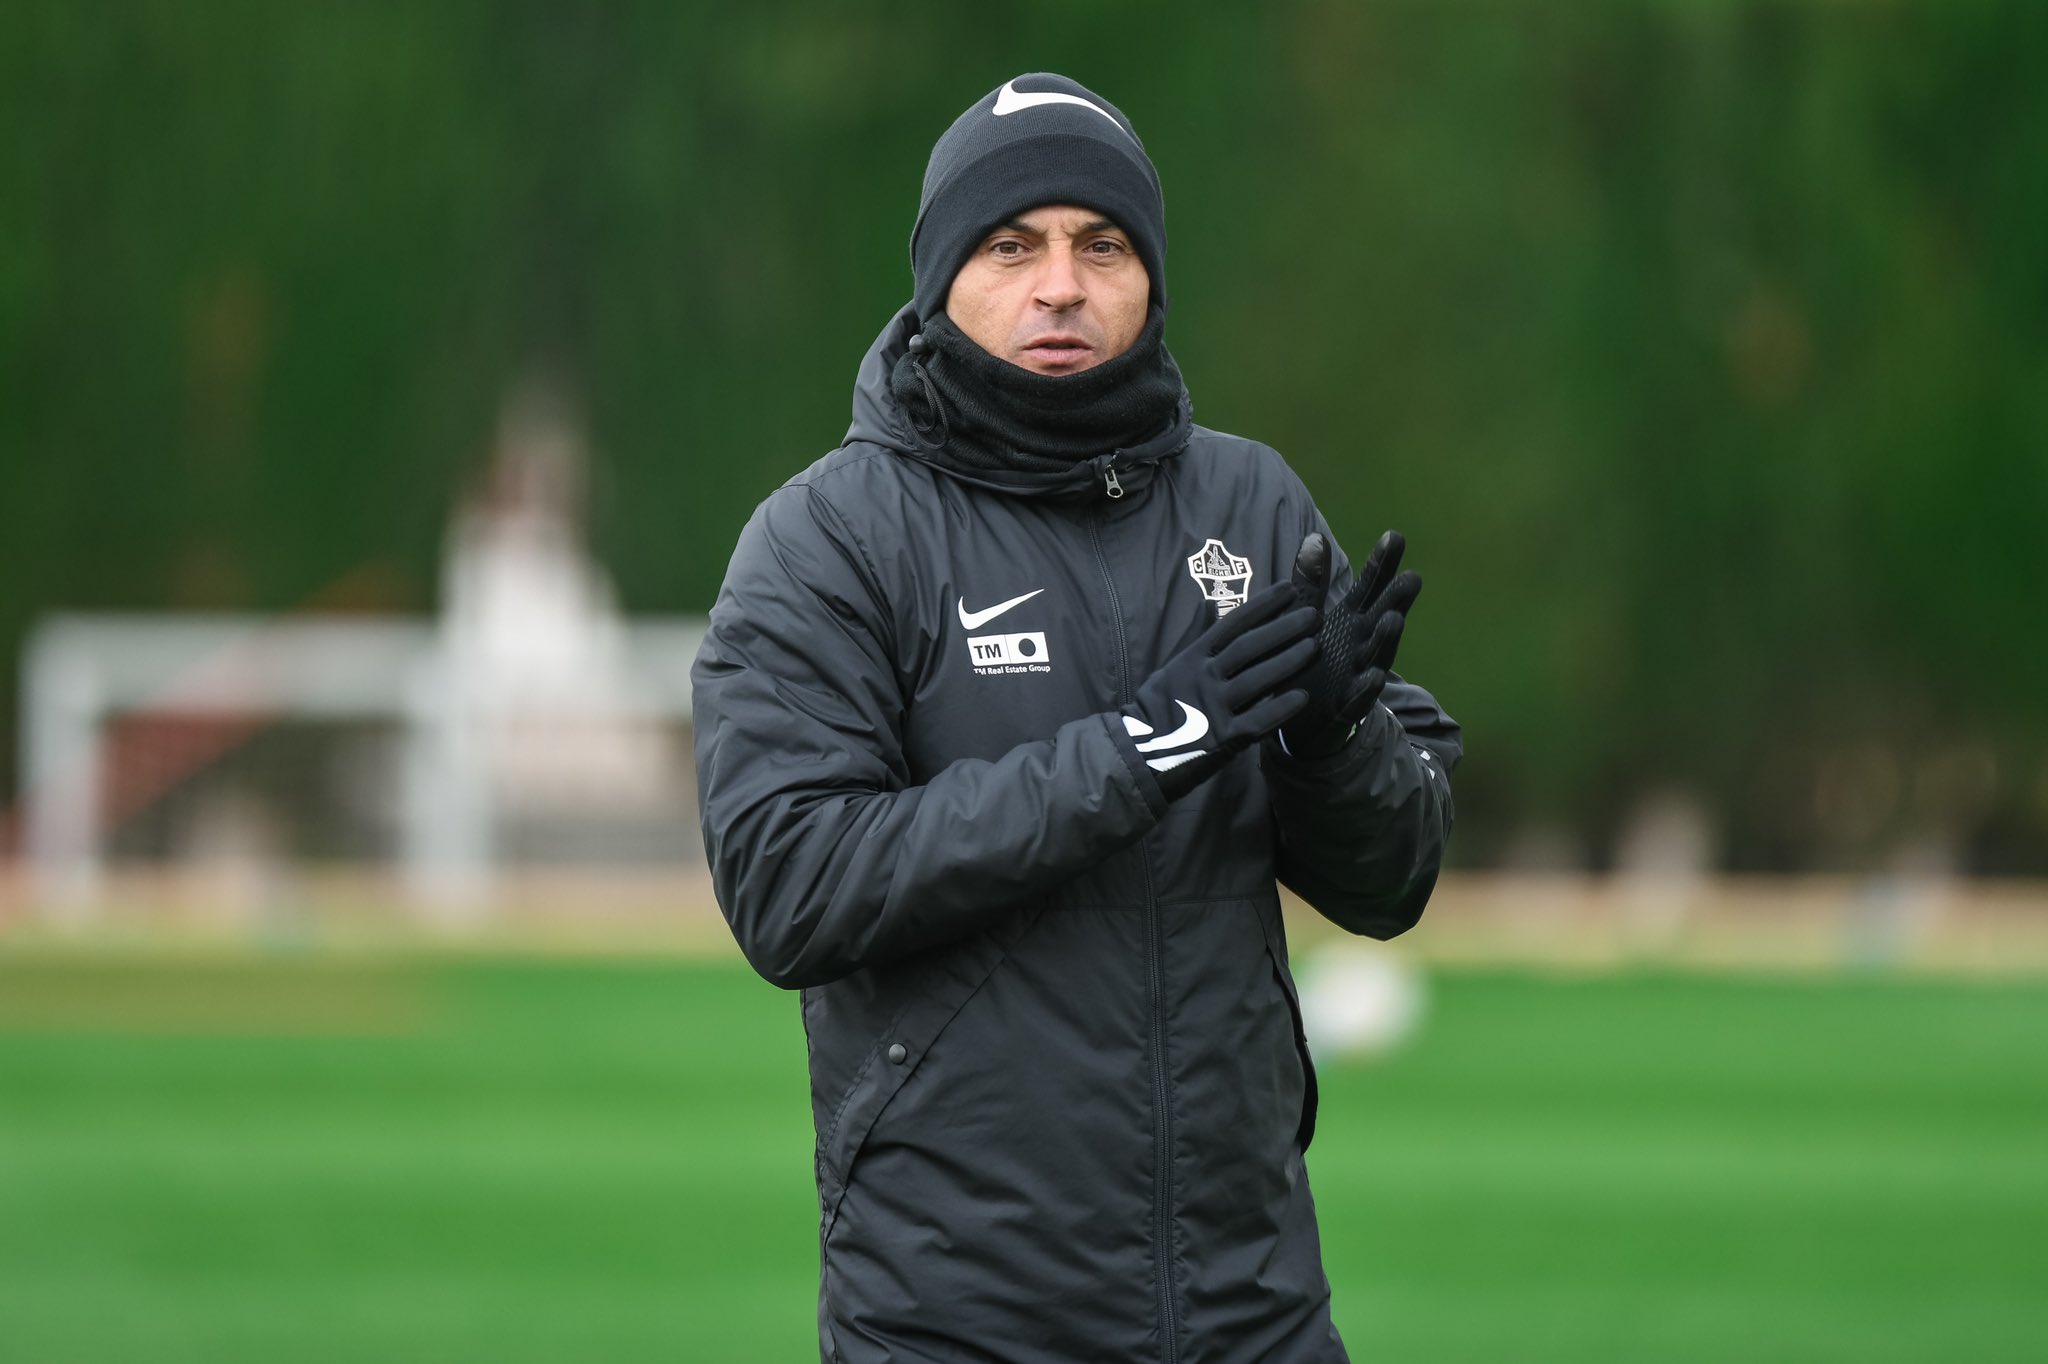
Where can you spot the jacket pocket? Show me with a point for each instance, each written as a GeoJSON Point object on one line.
{"type": "Point", "coordinates": [935, 997]}
{"type": "Point", "coordinates": [1276, 952]}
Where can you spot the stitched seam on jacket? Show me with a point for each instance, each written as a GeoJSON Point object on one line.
{"type": "Point", "coordinates": [876, 593]}
{"type": "Point", "coordinates": [809, 479]}
{"type": "Point", "coordinates": [867, 560]}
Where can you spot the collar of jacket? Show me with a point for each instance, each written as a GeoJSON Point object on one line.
{"type": "Point", "coordinates": [879, 419]}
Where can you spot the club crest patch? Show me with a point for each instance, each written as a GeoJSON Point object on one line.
{"type": "Point", "coordinates": [1225, 578]}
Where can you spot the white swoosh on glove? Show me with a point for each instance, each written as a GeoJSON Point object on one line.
{"type": "Point", "coordinates": [1192, 728]}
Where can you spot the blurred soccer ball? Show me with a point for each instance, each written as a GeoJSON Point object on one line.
{"type": "Point", "coordinates": [1358, 1001]}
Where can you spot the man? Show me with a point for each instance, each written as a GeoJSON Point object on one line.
{"type": "Point", "coordinates": [1012, 710]}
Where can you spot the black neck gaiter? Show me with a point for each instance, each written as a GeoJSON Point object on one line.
{"type": "Point", "coordinates": [991, 415]}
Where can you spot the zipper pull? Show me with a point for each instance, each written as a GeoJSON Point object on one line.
{"type": "Point", "coordinates": [1109, 483]}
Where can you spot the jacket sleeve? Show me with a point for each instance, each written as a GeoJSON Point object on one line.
{"type": "Point", "coordinates": [825, 858]}
{"type": "Point", "coordinates": [1360, 834]}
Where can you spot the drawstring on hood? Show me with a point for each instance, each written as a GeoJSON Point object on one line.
{"type": "Point", "coordinates": [932, 403]}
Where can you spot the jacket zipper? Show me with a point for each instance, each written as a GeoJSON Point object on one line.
{"type": "Point", "coordinates": [1162, 1115]}
{"type": "Point", "coordinates": [1155, 951]}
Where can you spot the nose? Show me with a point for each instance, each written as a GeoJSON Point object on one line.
{"type": "Point", "coordinates": [1059, 283]}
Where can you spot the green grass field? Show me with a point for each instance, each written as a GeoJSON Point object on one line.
{"type": "Point", "coordinates": [526, 1161]}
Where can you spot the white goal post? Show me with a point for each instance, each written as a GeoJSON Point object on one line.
{"type": "Point", "coordinates": [454, 705]}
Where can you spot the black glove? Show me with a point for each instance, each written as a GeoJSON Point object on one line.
{"type": "Point", "coordinates": [1358, 640]}
{"type": "Point", "coordinates": [1230, 688]}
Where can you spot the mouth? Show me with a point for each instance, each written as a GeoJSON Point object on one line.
{"type": "Point", "coordinates": [1057, 350]}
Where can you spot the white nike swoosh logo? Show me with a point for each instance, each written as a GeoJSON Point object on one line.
{"type": "Point", "coordinates": [975, 619]}
{"type": "Point", "coordinates": [1192, 728]}
{"type": "Point", "coordinates": [1010, 100]}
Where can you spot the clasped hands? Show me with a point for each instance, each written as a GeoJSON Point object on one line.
{"type": "Point", "coordinates": [1355, 645]}
{"type": "Point", "coordinates": [1286, 661]}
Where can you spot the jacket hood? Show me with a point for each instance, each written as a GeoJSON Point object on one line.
{"type": "Point", "coordinates": [879, 419]}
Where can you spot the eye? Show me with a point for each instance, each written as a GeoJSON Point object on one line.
{"type": "Point", "coordinates": [1105, 247]}
{"type": "Point", "coordinates": [1007, 249]}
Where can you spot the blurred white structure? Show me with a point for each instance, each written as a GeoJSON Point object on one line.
{"type": "Point", "coordinates": [530, 702]}
{"type": "Point", "coordinates": [550, 709]}
{"type": "Point", "coordinates": [1664, 860]}
{"type": "Point", "coordinates": [1358, 1000]}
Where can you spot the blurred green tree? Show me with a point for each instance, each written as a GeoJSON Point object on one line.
{"type": "Point", "coordinates": [1698, 347]}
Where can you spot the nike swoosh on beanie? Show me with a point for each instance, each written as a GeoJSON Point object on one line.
{"type": "Point", "coordinates": [1034, 140]}
{"type": "Point", "coordinates": [1010, 100]}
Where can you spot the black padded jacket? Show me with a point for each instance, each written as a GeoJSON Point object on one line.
{"type": "Point", "coordinates": [1057, 1069]}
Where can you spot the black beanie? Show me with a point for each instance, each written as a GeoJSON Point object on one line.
{"type": "Point", "coordinates": [1036, 140]}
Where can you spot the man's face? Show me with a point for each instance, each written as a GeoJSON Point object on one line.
{"type": "Point", "coordinates": [1056, 290]}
